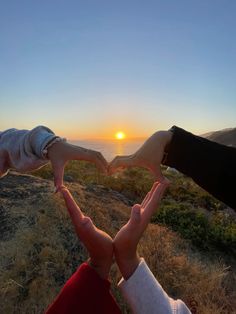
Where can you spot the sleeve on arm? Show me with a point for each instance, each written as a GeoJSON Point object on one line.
{"type": "Point", "coordinates": [25, 150]}
{"type": "Point", "coordinates": [144, 294]}
{"type": "Point", "coordinates": [211, 165]}
{"type": "Point", "coordinates": [84, 292]}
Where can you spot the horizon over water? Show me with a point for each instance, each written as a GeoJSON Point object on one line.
{"type": "Point", "coordinates": [111, 147]}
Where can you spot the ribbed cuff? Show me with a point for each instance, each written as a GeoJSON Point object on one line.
{"type": "Point", "coordinates": [50, 144]}
{"type": "Point", "coordinates": [42, 138]}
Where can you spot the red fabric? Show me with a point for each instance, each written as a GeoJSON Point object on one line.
{"type": "Point", "coordinates": [84, 293]}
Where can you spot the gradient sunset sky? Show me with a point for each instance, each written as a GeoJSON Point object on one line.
{"type": "Point", "coordinates": [90, 68]}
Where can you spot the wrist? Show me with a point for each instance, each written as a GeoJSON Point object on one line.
{"type": "Point", "coordinates": [167, 138]}
{"type": "Point", "coordinates": [54, 147]}
{"type": "Point", "coordinates": [128, 266]}
{"type": "Point", "coordinates": [102, 269]}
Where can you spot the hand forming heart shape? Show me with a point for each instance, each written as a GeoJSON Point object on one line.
{"type": "Point", "coordinates": [101, 246]}
{"type": "Point", "coordinates": [150, 156]}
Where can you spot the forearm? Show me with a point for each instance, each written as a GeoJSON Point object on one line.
{"type": "Point", "coordinates": [210, 165]}
{"type": "Point", "coordinates": [127, 266]}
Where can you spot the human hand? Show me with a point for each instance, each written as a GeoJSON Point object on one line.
{"type": "Point", "coordinates": [98, 243]}
{"type": "Point", "coordinates": [61, 152]}
{"type": "Point", "coordinates": [127, 239]}
{"type": "Point", "coordinates": [149, 155]}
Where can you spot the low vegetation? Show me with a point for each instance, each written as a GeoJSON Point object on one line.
{"type": "Point", "coordinates": [186, 208]}
{"type": "Point", "coordinates": [41, 251]}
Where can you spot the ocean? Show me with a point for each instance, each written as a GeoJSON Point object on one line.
{"type": "Point", "coordinates": [111, 148]}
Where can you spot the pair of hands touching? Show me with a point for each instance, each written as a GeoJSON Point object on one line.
{"type": "Point", "coordinates": [101, 246]}
{"type": "Point", "coordinates": [149, 156]}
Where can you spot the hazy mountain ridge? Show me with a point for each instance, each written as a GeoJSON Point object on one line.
{"type": "Point", "coordinates": [225, 136]}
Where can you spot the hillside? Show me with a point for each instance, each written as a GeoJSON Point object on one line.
{"type": "Point", "coordinates": [225, 137]}
{"type": "Point", "coordinates": [39, 249]}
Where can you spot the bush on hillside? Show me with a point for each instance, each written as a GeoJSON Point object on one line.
{"type": "Point", "coordinates": [217, 231]}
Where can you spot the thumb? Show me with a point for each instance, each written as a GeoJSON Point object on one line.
{"type": "Point", "coordinates": [73, 209]}
{"type": "Point", "coordinates": [135, 214]}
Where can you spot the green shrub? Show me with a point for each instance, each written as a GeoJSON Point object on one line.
{"type": "Point", "coordinates": [217, 231]}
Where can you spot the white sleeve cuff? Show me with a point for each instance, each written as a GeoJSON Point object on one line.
{"type": "Point", "coordinates": [40, 139]}
{"type": "Point", "coordinates": [144, 294]}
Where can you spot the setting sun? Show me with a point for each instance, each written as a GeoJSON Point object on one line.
{"type": "Point", "coordinates": [120, 135]}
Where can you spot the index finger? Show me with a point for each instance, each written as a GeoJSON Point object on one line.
{"type": "Point", "coordinates": [99, 161]}
{"type": "Point", "coordinates": [73, 208]}
{"type": "Point", "coordinates": [154, 200]}
{"type": "Point", "coordinates": [149, 194]}
{"type": "Point", "coordinates": [122, 161]}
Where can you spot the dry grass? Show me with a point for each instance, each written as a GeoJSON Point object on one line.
{"type": "Point", "coordinates": [43, 251]}
{"type": "Point", "coordinates": [185, 276]}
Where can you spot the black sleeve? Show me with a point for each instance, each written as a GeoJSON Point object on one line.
{"type": "Point", "coordinates": [211, 165]}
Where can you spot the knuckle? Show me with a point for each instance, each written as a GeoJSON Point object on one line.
{"type": "Point", "coordinates": [86, 221]}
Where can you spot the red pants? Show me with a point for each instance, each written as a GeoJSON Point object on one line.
{"type": "Point", "coordinates": [84, 293]}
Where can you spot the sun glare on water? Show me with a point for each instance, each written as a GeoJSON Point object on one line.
{"type": "Point", "coordinates": [120, 135]}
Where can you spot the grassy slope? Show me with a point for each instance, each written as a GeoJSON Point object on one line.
{"type": "Point", "coordinates": [40, 250]}
{"type": "Point", "coordinates": [187, 208]}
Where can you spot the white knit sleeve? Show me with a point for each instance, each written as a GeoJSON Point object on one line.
{"type": "Point", "coordinates": [25, 150]}
{"type": "Point", "coordinates": [145, 295]}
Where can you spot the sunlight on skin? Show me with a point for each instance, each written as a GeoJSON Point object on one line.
{"type": "Point", "coordinates": [98, 243]}
{"type": "Point", "coordinates": [120, 135]}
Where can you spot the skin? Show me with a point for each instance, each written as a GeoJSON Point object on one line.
{"type": "Point", "coordinates": [149, 156]}
{"type": "Point", "coordinates": [60, 153]}
{"type": "Point", "coordinates": [100, 245]}
{"type": "Point", "coordinates": [127, 239]}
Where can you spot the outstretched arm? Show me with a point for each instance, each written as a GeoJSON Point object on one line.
{"type": "Point", "coordinates": [139, 287]}
{"type": "Point", "coordinates": [98, 243]}
{"type": "Point", "coordinates": [127, 239]}
{"type": "Point", "coordinates": [27, 150]}
{"type": "Point", "coordinates": [211, 165]}
{"type": "Point", "coordinates": [87, 290]}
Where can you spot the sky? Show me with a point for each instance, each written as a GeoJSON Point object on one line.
{"type": "Point", "coordinates": [90, 68]}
